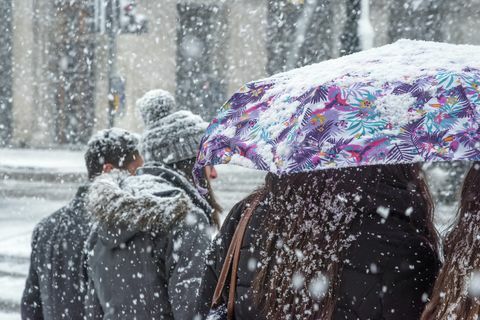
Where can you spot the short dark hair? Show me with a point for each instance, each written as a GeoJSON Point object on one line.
{"type": "Point", "coordinates": [115, 146]}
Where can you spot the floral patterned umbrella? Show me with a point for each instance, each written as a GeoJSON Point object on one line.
{"type": "Point", "coordinates": [411, 101]}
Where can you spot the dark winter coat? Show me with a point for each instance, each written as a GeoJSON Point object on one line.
{"type": "Point", "coordinates": [55, 287]}
{"type": "Point", "coordinates": [390, 272]}
{"type": "Point", "coordinates": [147, 254]}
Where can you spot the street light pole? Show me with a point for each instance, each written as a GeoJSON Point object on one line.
{"type": "Point", "coordinates": [112, 33]}
{"type": "Point", "coordinates": [6, 69]}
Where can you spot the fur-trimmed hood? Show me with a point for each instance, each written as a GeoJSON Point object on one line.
{"type": "Point", "coordinates": [118, 201]}
{"type": "Point", "coordinates": [178, 181]}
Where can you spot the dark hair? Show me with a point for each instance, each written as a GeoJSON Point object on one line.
{"type": "Point", "coordinates": [307, 226]}
{"type": "Point", "coordinates": [462, 257]}
{"type": "Point", "coordinates": [112, 146]}
{"type": "Point", "coordinates": [186, 168]}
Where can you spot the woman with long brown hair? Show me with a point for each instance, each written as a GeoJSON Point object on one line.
{"type": "Point", "coordinates": [354, 243]}
{"type": "Point", "coordinates": [456, 291]}
{"type": "Point", "coordinates": [185, 167]}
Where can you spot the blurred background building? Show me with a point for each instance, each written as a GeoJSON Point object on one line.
{"type": "Point", "coordinates": [71, 67]}
{"type": "Point", "coordinates": [58, 59]}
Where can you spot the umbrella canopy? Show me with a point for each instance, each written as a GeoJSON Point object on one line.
{"type": "Point", "coordinates": [410, 101]}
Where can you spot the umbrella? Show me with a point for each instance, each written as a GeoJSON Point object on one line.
{"type": "Point", "coordinates": [410, 101]}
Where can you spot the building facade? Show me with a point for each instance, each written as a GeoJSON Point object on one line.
{"type": "Point", "coordinates": [202, 51]}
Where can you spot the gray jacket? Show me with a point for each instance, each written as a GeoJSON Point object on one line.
{"type": "Point", "coordinates": [55, 286]}
{"type": "Point", "coordinates": [146, 255]}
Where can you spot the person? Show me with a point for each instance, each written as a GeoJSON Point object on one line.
{"type": "Point", "coordinates": [457, 289]}
{"type": "Point", "coordinates": [354, 243]}
{"type": "Point", "coordinates": [55, 287]}
{"type": "Point", "coordinates": [147, 253]}
{"type": "Point", "coordinates": [171, 141]}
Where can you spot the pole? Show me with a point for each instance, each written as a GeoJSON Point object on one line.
{"type": "Point", "coordinates": [301, 32]}
{"type": "Point", "coordinates": [6, 72]}
{"type": "Point", "coordinates": [112, 32]}
{"type": "Point", "coordinates": [366, 32]}
{"type": "Point", "coordinates": [350, 38]}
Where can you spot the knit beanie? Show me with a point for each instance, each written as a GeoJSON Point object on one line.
{"type": "Point", "coordinates": [168, 137]}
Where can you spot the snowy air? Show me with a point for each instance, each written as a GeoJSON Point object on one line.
{"type": "Point", "coordinates": [239, 160]}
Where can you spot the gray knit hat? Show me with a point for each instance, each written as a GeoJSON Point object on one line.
{"type": "Point", "coordinates": [168, 137]}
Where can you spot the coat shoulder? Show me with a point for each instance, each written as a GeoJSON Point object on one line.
{"type": "Point", "coordinates": [224, 236]}
{"type": "Point", "coordinates": [70, 218]}
{"type": "Point", "coordinates": [47, 225]}
{"type": "Point", "coordinates": [233, 217]}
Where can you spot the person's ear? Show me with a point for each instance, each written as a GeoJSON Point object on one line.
{"type": "Point", "coordinates": [210, 172]}
{"type": "Point", "coordinates": [108, 167]}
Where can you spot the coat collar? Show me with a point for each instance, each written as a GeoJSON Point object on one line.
{"type": "Point", "coordinates": [138, 203]}
{"type": "Point", "coordinates": [395, 199]}
{"type": "Point", "coordinates": [179, 181]}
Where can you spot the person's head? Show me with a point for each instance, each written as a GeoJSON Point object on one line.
{"type": "Point", "coordinates": [173, 138]}
{"type": "Point", "coordinates": [112, 149]}
{"type": "Point", "coordinates": [169, 137]}
{"type": "Point", "coordinates": [307, 231]}
{"type": "Point", "coordinates": [451, 296]}
{"type": "Point", "coordinates": [185, 167]}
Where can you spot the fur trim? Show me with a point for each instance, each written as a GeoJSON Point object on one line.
{"type": "Point", "coordinates": [141, 202]}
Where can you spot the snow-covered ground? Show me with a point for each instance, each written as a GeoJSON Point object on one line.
{"type": "Point", "coordinates": [8, 316]}
{"type": "Point", "coordinates": [42, 160]}
{"type": "Point", "coordinates": [35, 183]}
{"type": "Point", "coordinates": [31, 187]}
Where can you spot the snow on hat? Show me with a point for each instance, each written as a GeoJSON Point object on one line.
{"type": "Point", "coordinates": [110, 146]}
{"type": "Point", "coordinates": [155, 105]}
{"type": "Point", "coordinates": [114, 138]}
{"type": "Point", "coordinates": [168, 137]}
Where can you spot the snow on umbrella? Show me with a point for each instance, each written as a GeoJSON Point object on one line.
{"type": "Point", "coordinates": [410, 101]}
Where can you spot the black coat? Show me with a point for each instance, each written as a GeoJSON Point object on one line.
{"type": "Point", "coordinates": [147, 253]}
{"type": "Point", "coordinates": [390, 272]}
{"type": "Point", "coordinates": [55, 287]}
{"type": "Point", "coordinates": [392, 267]}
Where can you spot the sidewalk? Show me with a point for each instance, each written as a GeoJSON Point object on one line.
{"type": "Point", "coordinates": [42, 165]}
{"type": "Point", "coordinates": [33, 184]}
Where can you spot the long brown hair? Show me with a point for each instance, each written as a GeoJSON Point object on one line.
{"type": "Point", "coordinates": [450, 297]}
{"type": "Point", "coordinates": [186, 168]}
{"type": "Point", "coordinates": [307, 233]}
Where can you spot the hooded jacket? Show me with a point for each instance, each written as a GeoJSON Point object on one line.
{"type": "Point", "coordinates": [147, 251]}
{"type": "Point", "coordinates": [55, 286]}
{"type": "Point", "coordinates": [389, 269]}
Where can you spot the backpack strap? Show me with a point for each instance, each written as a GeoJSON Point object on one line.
{"type": "Point", "coordinates": [232, 260]}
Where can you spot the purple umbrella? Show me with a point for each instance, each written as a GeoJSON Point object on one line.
{"type": "Point", "coordinates": [411, 101]}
